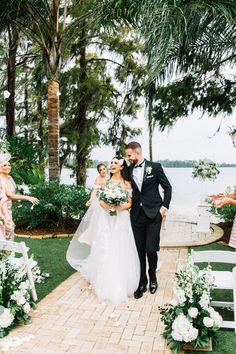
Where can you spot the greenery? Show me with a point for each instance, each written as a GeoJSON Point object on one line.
{"type": "Point", "coordinates": [106, 59]}
{"type": "Point", "coordinates": [59, 205]}
{"type": "Point", "coordinates": [50, 255]}
{"type": "Point", "coordinates": [226, 212]}
{"type": "Point", "coordinates": [224, 340]}
{"type": "Point", "coordinates": [205, 169]}
{"type": "Point", "coordinates": [27, 160]}
{"type": "Point", "coordinates": [189, 318]}
{"type": "Point", "coordinates": [15, 297]}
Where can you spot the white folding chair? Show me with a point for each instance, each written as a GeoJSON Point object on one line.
{"type": "Point", "coordinates": [225, 280]}
{"type": "Point", "coordinates": [20, 247]}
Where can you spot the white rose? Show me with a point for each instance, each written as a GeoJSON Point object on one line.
{"type": "Point", "coordinates": [26, 307]}
{"type": "Point", "coordinates": [6, 318]}
{"type": "Point", "coordinates": [208, 322]}
{"type": "Point", "coordinates": [180, 296]}
{"type": "Point", "coordinates": [20, 300]}
{"type": "Point", "coordinates": [204, 301]}
{"type": "Point", "coordinates": [193, 312]}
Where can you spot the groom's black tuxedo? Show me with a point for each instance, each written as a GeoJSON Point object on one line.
{"type": "Point", "coordinates": [145, 214]}
{"type": "Point", "coordinates": [149, 197]}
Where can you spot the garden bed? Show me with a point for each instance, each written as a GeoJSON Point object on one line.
{"type": "Point", "coordinates": [46, 232]}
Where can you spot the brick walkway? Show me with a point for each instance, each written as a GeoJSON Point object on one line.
{"type": "Point", "coordinates": [71, 320]}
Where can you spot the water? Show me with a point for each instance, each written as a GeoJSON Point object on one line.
{"type": "Point", "coordinates": [186, 190]}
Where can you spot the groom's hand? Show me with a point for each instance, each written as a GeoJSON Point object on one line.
{"type": "Point", "coordinates": [163, 211]}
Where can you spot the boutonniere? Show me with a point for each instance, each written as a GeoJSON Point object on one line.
{"type": "Point", "coordinates": [148, 170]}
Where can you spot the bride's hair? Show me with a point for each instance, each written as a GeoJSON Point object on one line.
{"type": "Point", "coordinates": [124, 171]}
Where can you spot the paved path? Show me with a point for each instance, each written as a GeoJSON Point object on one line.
{"type": "Point", "coordinates": [71, 320]}
{"type": "Point", "coordinates": [180, 231]}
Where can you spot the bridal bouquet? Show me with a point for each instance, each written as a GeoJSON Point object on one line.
{"type": "Point", "coordinates": [113, 194]}
{"type": "Point", "coordinates": [15, 292]}
{"type": "Point", "coordinates": [189, 318]}
{"type": "Point", "coordinates": [205, 169]}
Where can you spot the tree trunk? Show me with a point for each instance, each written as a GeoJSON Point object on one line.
{"type": "Point", "coordinates": [11, 80]}
{"type": "Point", "coordinates": [53, 130]}
{"type": "Point", "coordinates": [40, 120]}
{"type": "Point", "coordinates": [151, 91]}
{"type": "Point", "coordinates": [81, 118]}
{"type": "Point", "coordinates": [150, 144]}
{"type": "Point", "coordinates": [81, 166]}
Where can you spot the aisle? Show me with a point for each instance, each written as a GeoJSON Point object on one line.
{"type": "Point", "coordinates": [70, 319]}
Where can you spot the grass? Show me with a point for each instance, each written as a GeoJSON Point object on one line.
{"type": "Point", "coordinates": [50, 254]}
{"type": "Point", "coordinates": [224, 341]}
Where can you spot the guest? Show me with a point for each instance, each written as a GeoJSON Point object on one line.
{"type": "Point", "coordinates": [10, 187]}
{"type": "Point", "coordinates": [99, 181]}
{"type": "Point", "coordinates": [6, 223]}
{"type": "Point", "coordinates": [219, 200]}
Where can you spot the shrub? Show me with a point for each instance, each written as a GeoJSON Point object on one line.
{"type": "Point", "coordinates": [28, 161]}
{"type": "Point", "coordinates": [59, 205]}
{"type": "Point", "coordinates": [226, 212]}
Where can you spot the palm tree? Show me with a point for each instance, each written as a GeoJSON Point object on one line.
{"type": "Point", "coordinates": [177, 33]}
{"type": "Point", "coordinates": [39, 21]}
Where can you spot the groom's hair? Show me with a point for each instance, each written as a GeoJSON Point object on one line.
{"type": "Point", "coordinates": [133, 145]}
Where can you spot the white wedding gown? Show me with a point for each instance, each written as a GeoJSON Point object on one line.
{"type": "Point", "coordinates": [103, 250]}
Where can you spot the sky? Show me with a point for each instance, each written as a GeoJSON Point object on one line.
{"type": "Point", "coordinates": [188, 139]}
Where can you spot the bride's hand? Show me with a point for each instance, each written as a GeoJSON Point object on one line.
{"type": "Point", "coordinates": [105, 205]}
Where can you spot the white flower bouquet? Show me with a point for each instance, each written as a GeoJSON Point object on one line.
{"type": "Point", "coordinates": [189, 318]}
{"type": "Point", "coordinates": [15, 292]}
{"type": "Point", "coordinates": [205, 169]}
{"type": "Point", "coordinates": [113, 194]}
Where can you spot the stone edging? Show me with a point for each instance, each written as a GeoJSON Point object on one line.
{"type": "Point", "coordinates": [40, 237]}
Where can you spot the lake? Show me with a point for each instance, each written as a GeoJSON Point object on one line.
{"type": "Point", "coordinates": [186, 190]}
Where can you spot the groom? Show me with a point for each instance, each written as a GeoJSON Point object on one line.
{"type": "Point", "coordinates": [147, 212]}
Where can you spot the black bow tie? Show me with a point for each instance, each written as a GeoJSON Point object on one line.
{"type": "Point", "coordinates": [140, 165]}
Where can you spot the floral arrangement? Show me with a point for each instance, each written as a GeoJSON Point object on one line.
{"type": "Point", "coordinates": [113, 194]}
{"type": "Point", "coordinates": [189, 318]}
{"type": "Point", "coordinates": [232, 134]}
{"type": "Point", "coordinates": [205, 169]}
{"type": "Point", "coordinates": [15, 291]}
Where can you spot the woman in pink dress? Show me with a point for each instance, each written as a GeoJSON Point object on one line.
{"type": "Point", "coordinates": [9, 187]}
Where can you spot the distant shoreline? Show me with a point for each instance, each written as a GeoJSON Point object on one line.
{"type": "Point", "coordinates": [170, 163]}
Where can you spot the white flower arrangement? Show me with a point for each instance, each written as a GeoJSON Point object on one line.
{"type": "Point", "coordinates": [113, 194]}
{"type": "Point", "coordinates": [15, 291]}
{"type": "Point", "coordinates": [148, 170]}
{"type": "Point", "coordinates": [189, 318]}
{"type": "Point", "coordinates": [205, 169]}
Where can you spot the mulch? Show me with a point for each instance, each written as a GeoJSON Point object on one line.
{"type": "Point", "coordinates": [66, 230]}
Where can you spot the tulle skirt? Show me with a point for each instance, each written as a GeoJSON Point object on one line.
{"type": "Point", "coordinates": [104, 250]}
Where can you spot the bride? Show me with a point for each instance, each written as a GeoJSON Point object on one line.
{"type": "Point", "coordinates": [110, 263]}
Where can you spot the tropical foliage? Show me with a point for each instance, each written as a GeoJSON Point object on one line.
{"type": "Point", "coordinates": [59, 205]}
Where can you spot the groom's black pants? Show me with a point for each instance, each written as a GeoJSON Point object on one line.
{"type": "Point", "coordinates": [147, 238]}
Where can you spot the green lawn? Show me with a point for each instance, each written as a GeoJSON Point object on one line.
{"type": "Point", "coordinates": [225, 340]}
{"type": "Point", "coordinates": [50, 254]}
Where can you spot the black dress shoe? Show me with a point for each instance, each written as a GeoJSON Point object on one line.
{"type": "Point", "coordinates": [139, 292]}
{"type": "Point", "coordinates": [153, 286]}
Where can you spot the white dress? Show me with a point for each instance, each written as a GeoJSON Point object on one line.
{"type": "Point", "coordinates": [110, 263]}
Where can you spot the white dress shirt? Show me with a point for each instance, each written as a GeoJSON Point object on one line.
{"type": "Point", "coordinates": [138, 173]}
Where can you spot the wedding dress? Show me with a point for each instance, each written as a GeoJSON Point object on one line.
{"type": "Point", "coordinates": [103, 250]}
